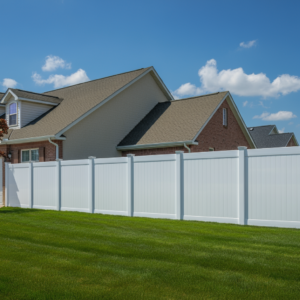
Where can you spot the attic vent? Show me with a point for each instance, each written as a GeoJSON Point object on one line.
{"type": "Point", "coordinates": [251, 129]}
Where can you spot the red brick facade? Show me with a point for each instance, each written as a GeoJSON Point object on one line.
{"type": "Point", "coordinates": [291, 143]}
{"type": "Point", "coordinates": [214, 135]}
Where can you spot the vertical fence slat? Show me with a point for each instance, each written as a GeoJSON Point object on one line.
{"type": "Point", "coordinates": [6, 184]}
{"type": "Point", "coordinates": [58, 174]}
{"type": "Point", "coordinates": [91, 184]}
{"type": "Point", "coordinates": [241, 185]}
{"type": "Point", "coordinates": [30, 183]}
{"type": "Point", "coordinates": [179, 185]}
{"type": "Point", "coordinates": [130, 184]}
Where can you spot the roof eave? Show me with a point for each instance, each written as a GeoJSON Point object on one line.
{"type": "Point", "coordinates": [156, 145]}
{"type": "Point", "coordinates": [31, 139]}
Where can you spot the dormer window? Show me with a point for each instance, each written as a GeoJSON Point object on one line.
{"type": "Point", "coordinates": [13, 114]}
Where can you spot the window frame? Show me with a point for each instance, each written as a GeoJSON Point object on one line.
{"type": "Point", "coordinates": [225, 117]}
{"type": "Point", "coordinates": [211, 148]}
{"type": "Point", "coordinates": [30, 155]}
{"type": "Point", "coordinates": [16, 114]}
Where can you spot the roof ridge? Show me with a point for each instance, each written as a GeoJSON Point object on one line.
{"type": "Point", "coordinates": [97, 79]}
{"type": "Point", "coordinates": [37, 93]}
{"type": "Point", "coordinates": [199, 96]}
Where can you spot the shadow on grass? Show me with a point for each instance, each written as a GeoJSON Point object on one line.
{"type": "Point", "coordinates": [17, 210]}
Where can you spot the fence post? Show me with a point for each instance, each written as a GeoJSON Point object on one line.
{"type": "Point", "coordinates": [241, 185]}
{"type": "Point", "coordinates": [179, 185]}
{"type": "Point", "coordinates": [30, 185]}
{"type": "Point", "coordinates": [58, 166]}
{"type": "Point", "coordinates": [91, 184]}
{"type": "Point", "coordinates": [6, 184]}
{"type": "Point", "coordinates": [130, 184]}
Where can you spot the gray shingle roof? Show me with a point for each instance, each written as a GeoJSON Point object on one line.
{"type": "Point", "coordinates": [36, 96]}
{"type": "Point", "coordinates": [263, 139]}
{"type": "Point", "coordinates": [174, 121]}
{"type": "Point", "coordinates": [1, 95]}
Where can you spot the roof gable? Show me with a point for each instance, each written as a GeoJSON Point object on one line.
{"type": "Point", "coordinates": [179, 120]}
{"type": "Point", "coordinates": [79, 101]}
{"type": "Point", "coordinates": [264, 136]}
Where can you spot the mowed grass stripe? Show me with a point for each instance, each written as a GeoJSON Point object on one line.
{"type": "Point", "coordinates": [69, 255]}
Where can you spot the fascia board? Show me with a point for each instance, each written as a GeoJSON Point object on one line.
{"type": "Point", "coordinates": [240, 116]}
{"type": "Point", "coordinates": [9, 92]}
{"type": "Point", "coordinates": [38, 101]}
{"type": "Point", "coordinates": [157, 145]}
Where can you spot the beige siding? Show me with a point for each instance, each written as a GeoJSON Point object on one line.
{"type": "Point", "coordinates": [30, 111]}
{"type": "Point", "coordinates": [2, 110]}
{"type": "Point", "coordinates": [99, 133]}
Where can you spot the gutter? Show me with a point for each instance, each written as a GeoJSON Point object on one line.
{"type": "Point", "coordinates": [29, 140]}
{"type": "Point", "coordinates": [158, 145]}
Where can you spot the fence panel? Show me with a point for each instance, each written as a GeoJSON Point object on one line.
{"type": "Point", "coordinates": [74, 185]}
{"type": "Point", "coordinates": [154, 186]}
{"type": "Point", "coordinates": [111, 185]}
{"type": "Point", "coordinates": [274, 187]}
{"type": "Point", "coordinates": [18, 176]}
{"type": "Point", "coordinates": [44, 185]}
{"type": "Point", "coordinates": [255, 187]}
{"type": "Point", "coordinates": [210, 186]}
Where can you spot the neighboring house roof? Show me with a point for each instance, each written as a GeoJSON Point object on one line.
{"type": "Point", "coordinates": [35, 96]}
{"type": "Point", "coordinates": [175, 121]}
{"type": "Point", "coordinates": [78, 101]}
{"type": "Point", "coordinates": [264, 136]}
{"type": "Point", "coordinates": [1, 95]}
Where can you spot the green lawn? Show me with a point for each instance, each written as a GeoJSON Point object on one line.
{"type": "Point", "coordinates": [67, 255]}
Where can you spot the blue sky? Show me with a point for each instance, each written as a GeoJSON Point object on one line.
{"type": "Point", "coordinates": [250, 48]}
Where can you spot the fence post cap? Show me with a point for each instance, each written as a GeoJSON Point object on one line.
{"type": "Point", "coordinates": [129, 155]}
{"type": "Point", "coordinates": [179, 152]}
{"type": "Point", "coordinates": [242, 147]}
{"type": "Point", "coordinates": [91, 157]}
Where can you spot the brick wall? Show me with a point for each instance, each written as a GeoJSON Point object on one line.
{"type": "Point", "coordinates": [291, 143]}
{"type": "Point", "coordinates": [214, 135]}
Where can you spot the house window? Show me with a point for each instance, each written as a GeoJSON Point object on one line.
{"type": "Point", "coordinates": [225, 117]}
{"type": "Point", "coordinates": [13, 114]}
{"type": "Point", "coordinates": [211, 149]}
{"type": "Point", "coordinates": [30, 155]}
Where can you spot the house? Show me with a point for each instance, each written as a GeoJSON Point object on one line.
{"type": "Point", "coordinates": [269, 137]}
{"type": "Point", "coordinates": [132, 112]}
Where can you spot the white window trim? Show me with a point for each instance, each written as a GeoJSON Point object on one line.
{"type": "Point", "coordinates": [29, 155]}
{"type": "Point", "coordinates": [9, 104]}
{"type": "Point", "coordinates": [225, 117]}
{"type": "Point", "coordinates": [211, 149]}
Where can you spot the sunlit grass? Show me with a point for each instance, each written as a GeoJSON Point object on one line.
{"type": "Point", "coordinates": [68, 255]}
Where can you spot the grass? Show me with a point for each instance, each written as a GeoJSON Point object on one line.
{"type": "Point", "coordinates": [69, 255]}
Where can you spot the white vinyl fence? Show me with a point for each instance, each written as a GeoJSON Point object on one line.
{"type": "Point", "coordinates": [254, 187]}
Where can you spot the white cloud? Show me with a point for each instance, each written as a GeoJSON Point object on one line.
{"type": "Point", "coordinates": [245, 103]}
{"type": "Point", "coordinates": [281, 130]}
{"type": "Point", "coordinates": [187, 89]}
{"type": "Point", "coordinates": [54, 62]}
{"type": "Point", "coordinates": [239, 83]}
{"type": "Point", "coordinates": [61, 80]}
{"type": "Point", "coordinates": [9, 83]}
{"type": "Point", "coordinates": [248, 44]}
{"type": "Point", "coordinates": [280, 116]}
